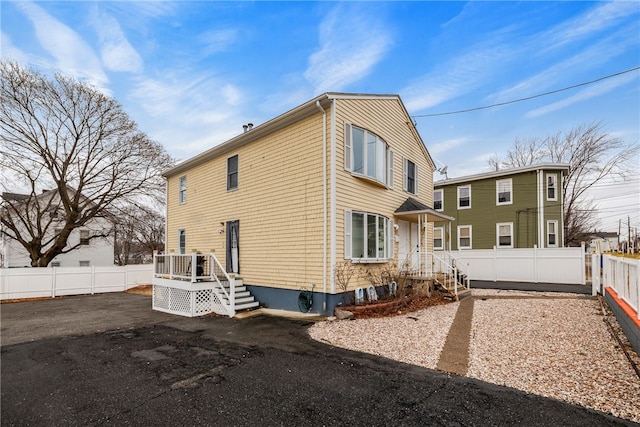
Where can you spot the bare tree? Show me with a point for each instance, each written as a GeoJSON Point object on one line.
{"type": "Point", "coordinates": [139, 231]}
{"type": "Point", "coordinates": [592, 154]}
{"type": "Point", "coordinates": [63, 135]}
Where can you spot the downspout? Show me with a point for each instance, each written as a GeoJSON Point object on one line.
{"type": "Point", "coordinates": [333, 192]}
{"type": "Point", "coordinates": [324, 204]}
{"type": "Point", "coordinates": [540, 209]}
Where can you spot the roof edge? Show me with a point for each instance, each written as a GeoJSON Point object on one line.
{"type": "Point", "coordinates": [503, 172]}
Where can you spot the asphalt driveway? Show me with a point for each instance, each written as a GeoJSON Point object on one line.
{"type": "Point", "coordinates": [111, 360]}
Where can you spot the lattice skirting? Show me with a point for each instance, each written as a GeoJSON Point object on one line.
{"type": "Point", "coordinates": [190, 303]}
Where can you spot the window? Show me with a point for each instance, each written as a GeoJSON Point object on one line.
{"type": "Point", "coordinates": [182, 193]}
{"type": "Point", "coordinates": [552, 190]}
{"type": "Point", "coordinates": [503, 192]}
{"type": "Point", "coordinates": [367, 155]}
{"type": "Point", "coordinates": [552, 234]}
{"type": "Point", "coordinates": [182, 241]}
{"type": "Point", "coordinates": [438, 238]}
{"type": "Point", "coordinates": [368, 237]}
{"type": "Point", "coordinates": [84, 237]}
{"type": "Point", "coordinates": [438, 199]}
{"type": "Point", "coordinates": [464, 237]}
{"type": "Point", "coordinates": [504, 235]}
{"type": "Point", "coordinates": [55, 263]}
{"type": "Point", "coordinates": [410, 176]}
{"type": "Point", "coordinates": [84, 263]}
{"type": "Point", "coordinates": [464, 197]}
{"type": "Point", "coordinates": [232, 173]}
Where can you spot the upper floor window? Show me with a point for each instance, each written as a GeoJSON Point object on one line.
{"type": "Point", "coordinates": [368, 237]}
{"type": "Point", "coordinates": [182, 241]}
{"type": "Point", "coordinates": [410, 176]}
{"type": "Point", "coordinates": [504, 190]}
{"type": "Point", "coordinates": [552, 186]}
{"type": "Point", "coordinates": [464, 237]}
{"type": "Point", "coordinates": [182, 192]}
{"type": "Point", "coordinates": [552, 234]}
{"type": "Point", "coordinates": [464, 197]}
{"type": "Point", "coordinates": [84, 263]}
{"type": "Point", "coordinates": [232, 173]}
{"type": "Point", "coordinates": [438, 238]}
{"type": "Point", "coordinates": [84, 237]}
{"type": "Point", "coordinates": [438, 199]}
{"type": "Point", "coordinates": [504, 234]}
{"type": "Point", "coordinates": [367, 155]}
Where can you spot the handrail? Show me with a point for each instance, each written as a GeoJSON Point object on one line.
{"type": "Point", "coordinates": [195, 268]}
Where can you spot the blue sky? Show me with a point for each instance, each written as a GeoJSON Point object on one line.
{"type": "Point", "coordinates": [192, 73]}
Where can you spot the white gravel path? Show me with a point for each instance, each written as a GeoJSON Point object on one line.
{"type": "Point", "coordinates": [555, 347]}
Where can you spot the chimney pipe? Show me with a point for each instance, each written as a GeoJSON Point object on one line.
{"type": "Point", "coordinates": [250, 126]}
{"type": "Point", "coordinates": [245, 127]}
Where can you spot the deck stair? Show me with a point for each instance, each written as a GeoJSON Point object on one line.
{"type": "Point", "coordinates": [244, 300]}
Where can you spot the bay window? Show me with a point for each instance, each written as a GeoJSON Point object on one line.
{"type": "Point", "coordinates": [367, 155]}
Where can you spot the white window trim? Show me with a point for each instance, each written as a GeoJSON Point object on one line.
{"type": "Point", "coordinates": [185, 241]}
{"type": "Point", "coordinates": [498, 225]}
{"type": "Point", "coordinates": [470, 237]}
{"type": "Point", "coordinates": [441, 191]}
{"type": "Point", "coordinates": [348, 157]}
{"type": "Point", "coordinates": [348, 234]}
{"type": "Point", "coordinates": [441, 248]}
{"type": "Point", "coordinates": [182, 192]}
{"type": "Point", "coordinates": [498, 202]}
{"type": "Point", "coordinates": [405, 176]}
{"type": "Point", "coordinates": [229, 188]}
{"type": "Point", "coordinates": [555, 186]}
{"type": "Point", "coordinates": [555, 222]}
{"type": "Point", "coordinates": [458, 199]}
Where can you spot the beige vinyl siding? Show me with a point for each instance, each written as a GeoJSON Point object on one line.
{"type": "Point", "coordinates": [278, 203]}
{"type": "Point", "coordinates": [385, 118]}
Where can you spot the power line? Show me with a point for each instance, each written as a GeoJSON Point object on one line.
{"type": "Point", "coordinates": [528, 97]}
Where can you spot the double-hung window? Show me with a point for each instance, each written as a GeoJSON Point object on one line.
{"type": "Point", "coordinates": [182, 241]}
{"type": "Point", "coordinates": [84, 237]}
{"type": "Point", "coordinates": [504, 235]}
{"type": "Point", "coordinates": [410, 176]}
{"type": "Point", "coordinates": [368, 237]}
{"type": "Point", "coordinates": [438, 199]}
{"type": "Point", "coordinates": [552, 187]}
{"type": "Point", "coordinates": [232, 173]}
{"type": "Point", "coordinates": [464, 237]}
{"type": "Point", "coordinates": [464, 197]}
{"type": "Point", "coordinates": [182, 192]}
{"type": "Point", "coordinates": [552, 234]}
{"type": "Point", "coordinates": [504, 192]}
{"type": "Point", "coordinates": [438, 238]}
{"type": "Point", "coordinates": [367, 155]}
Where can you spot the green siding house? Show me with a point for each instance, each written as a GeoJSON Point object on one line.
{"type": "Point", "coordinates": [511, 208]}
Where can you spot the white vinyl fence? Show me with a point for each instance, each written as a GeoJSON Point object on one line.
{"type": "Point", "coordinates": [58, 281]}
{"type": "Point", "coordinates": [535, 265]}
{"type": "Point", "coordinates": [621, 274]}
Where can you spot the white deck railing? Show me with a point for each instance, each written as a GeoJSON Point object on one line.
{"type": "Point", "coordinates": [623, 276]}
{"type": "Point", "coordinates": [197, 276]}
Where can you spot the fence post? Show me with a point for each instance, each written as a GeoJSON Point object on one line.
{"type": "Point", "coordinates": [93, 279]}
{"type": "Point", "coordinates": [595, 274]}
{"type": "Point", "coordinates": [53, 282]}
{"type": "Point", "coordinates": [194, 266]}
{"type": "Point", "coordinates": [584, 267]}
{"type": "Point", "coordinates": [535, 263]}
{"type": "Point", "coordinates": [495, 264]}
{"type": "Point", "coordinates": [171, 266]}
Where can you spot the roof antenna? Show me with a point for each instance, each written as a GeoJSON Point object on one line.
{"type": "Point", "coordinates": [443, 171]}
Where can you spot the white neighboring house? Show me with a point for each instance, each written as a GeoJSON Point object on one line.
{"type": "Point", "coordinates": [90, 252]}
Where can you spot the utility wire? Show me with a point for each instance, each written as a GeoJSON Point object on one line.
{"type": "Point", "coordinates": [528, 97]}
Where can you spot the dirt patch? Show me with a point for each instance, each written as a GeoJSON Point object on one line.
{"type": "Point", "coordinates": [12, 301]}
{"type": "Point", "coordinates": [141, 290]}
{"type": "Point", "coordinates": [393, 307]}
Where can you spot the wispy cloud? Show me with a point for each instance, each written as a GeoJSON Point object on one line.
{"type": "Point", "coordinates": [194, 111]}
{"type": "Point", "coordinates": [455, 77]}
{"type": "Point", "coordinates": [605, 15]}
{"type": "Point", "coordinates": [215, 41]}
{"type": "Point", "coordinates": [72, 54]}
{"type": "Point", "coordinates": [117, 53]}
{"type": "Point", "coordinates": [353, 39]}
{"type": "Point", "coordinates": [441, 148]}
{"type": "Point", "coordinates": [583, 95]}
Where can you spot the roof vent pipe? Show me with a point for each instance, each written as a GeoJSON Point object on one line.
{"type": "Point", "coordinates": [245, 127]}
{"type": "Point", "coordinates": [250, 125]}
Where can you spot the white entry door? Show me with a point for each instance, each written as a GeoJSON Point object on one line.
{"type": "Point", "coordinates": [408, 245]}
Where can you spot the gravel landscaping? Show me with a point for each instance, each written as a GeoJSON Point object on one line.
{"type": "Point", "coordinates": [549, 344]}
